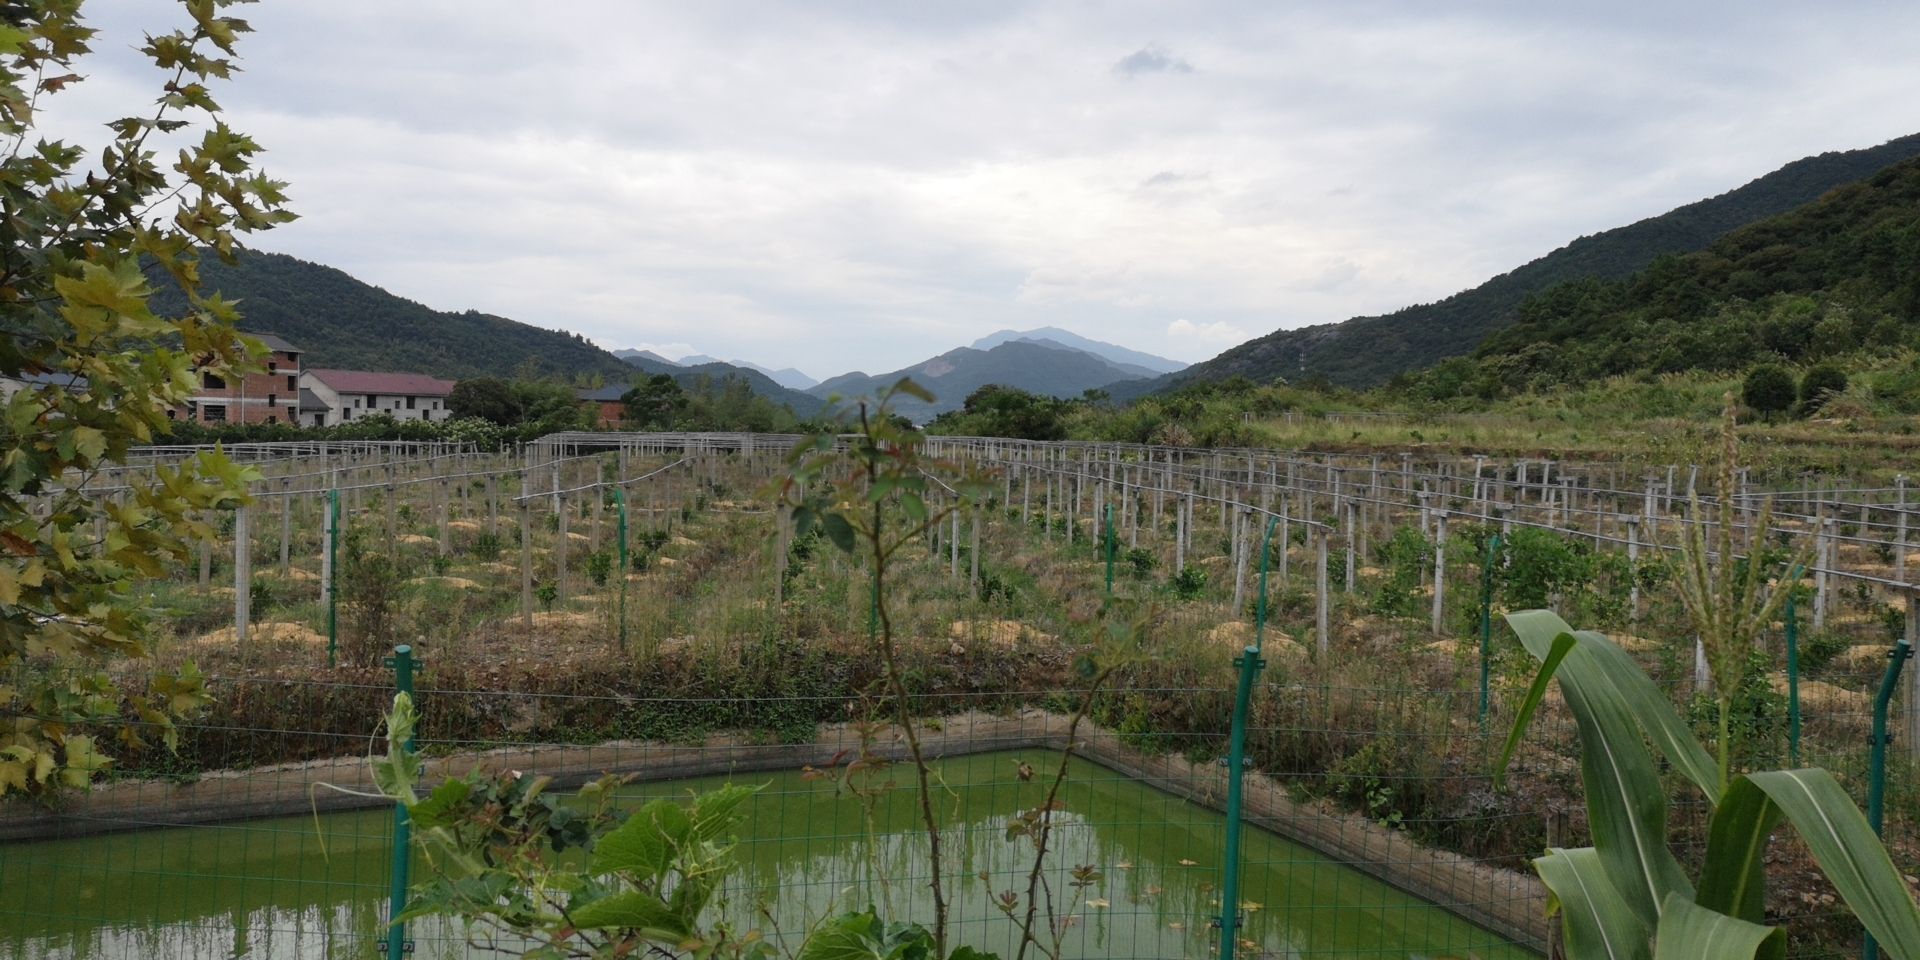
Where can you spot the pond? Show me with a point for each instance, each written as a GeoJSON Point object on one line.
{"type": "Point", "coordinates": [305, 888]}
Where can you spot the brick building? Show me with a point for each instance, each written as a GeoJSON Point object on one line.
{"type": "Point", "coordinates": [271, 396]}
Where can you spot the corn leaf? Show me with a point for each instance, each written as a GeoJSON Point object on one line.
{"type": "Point", "coordinates": [1595, 919]}
{"type": "Point", "coordinates": [1849, 853]}
{"type": "Point", "coordinates": [1689, 931]}
{"type": "Point", "coordinates": [1626, 802]}
{"type": "Point", "coordinates": [1733, 879]}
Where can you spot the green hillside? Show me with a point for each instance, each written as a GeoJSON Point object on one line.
{"type": "Point", "coordinates": [343, 322]}
{"type": "Point", "coordinates": [1367, 351]}
{"type": "Point", "coordinates": [1834, 278]}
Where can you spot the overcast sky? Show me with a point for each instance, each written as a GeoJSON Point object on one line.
{"type": "Point", "coordinates": [864, 184]}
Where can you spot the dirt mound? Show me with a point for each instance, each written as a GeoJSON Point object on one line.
{"type": "Point", "coordinates": [680, 541]}
{"type": "Point", "coordinates": [1237, 635]}
{"type": "Point", "coordinates": [458, 583]}
{"type": "Point", "coordinates": [415, 540]}
{"type": "Point", "coordinates": [1827, 698]}
{"type": "Point", "coordinates": [1862, 658]}
{"type": "Point", "coordinates": [265, 632]}
{"type": "Point", "coordinates": [1005, 633]}
{"type": "Point", "coordinates": [504, 569]}
{"type": "Point", "coordinates": [465, 526]}
{"type": "Point", "coordinates": [294, 574]}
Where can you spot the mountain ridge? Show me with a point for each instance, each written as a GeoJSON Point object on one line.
{"type": "Point", "coordinates": [1369, 350]}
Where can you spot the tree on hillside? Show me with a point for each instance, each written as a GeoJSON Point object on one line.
{"type": "Point", "coordinates": [1768, 390]}
{"type": "Point", "coordinates": [1822, 382]}
{"type": "Point", "coordinates": [489, 398]}
{"type": "Point", "coordinates": [74, 295]}
{"type": "Point", "coordinates": [655, 402]}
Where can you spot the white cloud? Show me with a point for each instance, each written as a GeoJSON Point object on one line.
{"type": "Point", "coordinates": [1218, 332]}
{"type": "Point", "coordinates": [864, 185]}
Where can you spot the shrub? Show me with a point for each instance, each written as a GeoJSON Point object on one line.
{"type": "Point", "coordinates": [1768, 390]}
{"type": "Point", "coordinates": [1188, 584]}
{"type": "Point", "coordinates": [1821, 383]}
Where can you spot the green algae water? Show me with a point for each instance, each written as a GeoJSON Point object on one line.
{"type": "Point", "coordinates": [301, 888]}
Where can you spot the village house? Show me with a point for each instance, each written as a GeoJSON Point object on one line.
{"type": "Point", "coordinates": [343, 396]}
{"type": "Point", "coordinates": [269, 396]}
{"type": "Point", "coordinates": [605, 402]}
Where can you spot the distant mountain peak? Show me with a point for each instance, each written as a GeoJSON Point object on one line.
{"type": "Point", "coordinates": [1067, 339]}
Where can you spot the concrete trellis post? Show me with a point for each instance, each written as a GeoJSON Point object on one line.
{"type": "Point", "coordinates": [1900, 530]}
{"type": "Point", "coordinates": [1180, 536]}
{"type": "Point", "coordinates": [973, 556]}
{"type": "Point", "coordinates": [953, 543]}
{"type": "Point", "coordinates": [493, 508]}
{"type": "Point", "coordinates": [1352, 533]}
{"type": "Point", "coordinates": [286, 526]}
{"type": "Point", "coordinates": [1240, 552]}
{"type": "Point", "coordinates": [206, 563]}
{"type": "Point", "coordinates": [1822, 543]}
{"type": "Point", "coordinates": [562, 540]}
{"type": "Point", "coordinates": [1322, 640]}
{"type": "Point", "coordinates": [242, 576]}
{"type": "Point", "coordinates": [442, 523]}
{"type": "Point", "coordinates": [526, 568]}
{"type": "Point", "coordinates": [1633, 562]}
{"type": "Point", "coordinates": [1439, 568]}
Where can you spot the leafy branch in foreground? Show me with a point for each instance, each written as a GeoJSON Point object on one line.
{"type": "Point", "coordinates": [77, 246]}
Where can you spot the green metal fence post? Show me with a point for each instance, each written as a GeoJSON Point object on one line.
{"type": "Point", "coordinates": [1110, 547]}
{"type": "Point", "coordinates": [1249, 663]}
{"type": "Point", "coordinates": [620, 502]}
{"type": "Point", "coordinates": [1792, 619]}
{"type": "Point", "coordinates": [1486, 625]}
{"type": "Point", "coordinates": [333, 577]}
{"type": "Point", "coordinates": [402, 663]}
{"type": "Point", "coordinates": [1877, 763]}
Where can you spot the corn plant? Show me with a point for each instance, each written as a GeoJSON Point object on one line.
{"type": "Point", "coordinates": [1626, 897]}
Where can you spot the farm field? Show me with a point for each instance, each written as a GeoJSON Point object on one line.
{"type": "Point", "coordinates": [646, 603]}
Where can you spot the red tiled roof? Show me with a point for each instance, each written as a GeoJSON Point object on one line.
{"type": "Point", "coordinates": [366, 381]}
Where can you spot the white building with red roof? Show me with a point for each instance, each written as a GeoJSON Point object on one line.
{"type": "Point", "coordinates": [343, 396]}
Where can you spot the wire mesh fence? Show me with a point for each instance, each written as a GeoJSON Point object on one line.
{"type": "Point", "coordinates": [725, 645]}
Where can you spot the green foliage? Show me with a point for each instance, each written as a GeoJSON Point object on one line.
{"type": "Point", "coordinates": [1824, 280]}
{"type": "Point", "coordinates": [370, 581]}
{"type": "Point", "coordinates": [1189, 584]}
{"type": "Point", "coordinates": [109, 361]}
{"type": "Point", "coordinates": [1768, 389]}
{"type": "Point", "coordinates": [600, 568]}
{"type": "Point", "coordinates": [997, 411]}
{"type": "Point", "coordinates": [345, 323]}
{"type": "Point", "coordinates": [1821, 382]}
{"type": "Point", "coordinates": [547, 592]}
{"type": "Point", "coordinates": [654, 403]}
{"type": "Point", "coordinates": [1627, 893]}
{"type": "Point", "coordinates": [1404, 559]}
{"type": "Point", "coordinates": [1140, 561]}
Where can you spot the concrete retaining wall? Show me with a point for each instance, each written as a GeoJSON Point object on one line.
{"type": "Point", "coordinates": [1506, 902]}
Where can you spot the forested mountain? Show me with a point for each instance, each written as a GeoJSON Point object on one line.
{"type": "Point", "coordinates": [1038, 367]}
{"type": "Point", "coordinates": [686, 375]}
{"type": "Point", "coordinates": [1366, 351]}
{"type": "Point", "coordinates": [1834, 277]}
{"type": "Point", "coordinates": [344, 323]}
{"type": "Point", "coordinates": [1123, 357]}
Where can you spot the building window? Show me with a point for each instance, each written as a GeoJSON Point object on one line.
{"type": "Point", "coordinates": [273, 399]}
{"type": "Point", "coordinates": [171, 412]}
{"type": "Point", "coordinates": [214, 413]}
{"type": "Point", "coordinates": [272, 419]}
{"type": "Point", "coordinates": [273, 366]}
{"type": "Point", "coordinates": [212, 382]}
{"type": "Point", "coordinates": [346, 413]}
{"type": "Point", "coordinates": [409, 403]}
{"type": "Point", "coordinates": [356, 404]}
{"type": "Point", "coordinates": [293, 383]}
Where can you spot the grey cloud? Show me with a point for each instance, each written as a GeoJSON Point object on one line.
{"type": "Point", "coordinates": [864, 183]}
{"type": "Point", "coordinates": [1152, 58]}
